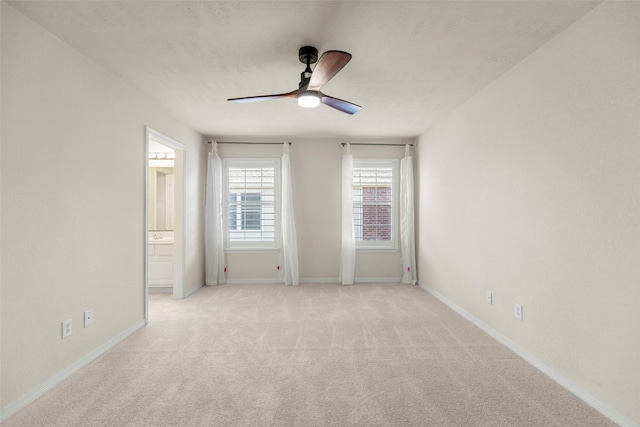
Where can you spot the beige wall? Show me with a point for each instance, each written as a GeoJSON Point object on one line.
{"type": "Point", "coordinates": [1, 131]}
{"type": "Point", "coordinates": [532, 190]}
{"type": "Point", "coordinates": [72, 174]}
{"type": "Point", "coordinates": [316, 172]}
{"type": "Point", "coordinates": [195, 177]}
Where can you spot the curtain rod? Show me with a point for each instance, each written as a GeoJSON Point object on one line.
{"type": "Point", "coordinates": [246, 142]}
{"type": "Point", "coordinates": [365, 143]}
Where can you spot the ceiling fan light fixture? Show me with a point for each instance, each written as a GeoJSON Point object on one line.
{"type": "Point", "coordinates": [309, 99]}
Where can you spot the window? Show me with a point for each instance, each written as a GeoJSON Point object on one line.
{"type": "Point", "coordinates": [253, 211]}
{"type": "Point", "coordinates": [375, 200]}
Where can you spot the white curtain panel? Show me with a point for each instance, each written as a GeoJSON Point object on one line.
{"type": "Point", "coordinates": [214, 239]}
{"type": "Point", "coordinates": [407, 225]}
{"type": "Point", "coordinates": [348, 259]}
{"type": "Point", "coordinates": [289, 252]}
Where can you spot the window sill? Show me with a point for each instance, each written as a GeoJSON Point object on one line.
{"type": "Point", "coordinates": [250, 250]}
{"type": "Point", "coordinates": [376, 249]}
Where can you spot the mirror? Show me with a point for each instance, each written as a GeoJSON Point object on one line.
{"type": "Point", "coordinates": [161, 198]}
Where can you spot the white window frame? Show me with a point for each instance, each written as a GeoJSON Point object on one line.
{"type": "Point", "coordinates": [383, 245]}
{"type": "Point", "coordinates": [250, 246]}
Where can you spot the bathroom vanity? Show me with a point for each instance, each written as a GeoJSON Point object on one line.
{"type": "Point", "coordinates": [160, 261]}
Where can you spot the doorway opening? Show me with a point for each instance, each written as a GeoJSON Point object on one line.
{"type": "Point", "coordinates": [164, 216]}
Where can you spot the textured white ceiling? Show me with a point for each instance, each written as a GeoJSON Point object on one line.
{"type": "Point", "coordinates": [412, 61]}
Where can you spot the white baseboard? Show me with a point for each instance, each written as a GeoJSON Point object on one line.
{"type": "Point", "coordinates": [41, 389]}
{"type": "Point", "coordinates": [191, 291]}
{"type": "Point", "coordinates": [251, 281]}
{"type": "Point", "coordinates": [356, 280]}
{"type": "Point", "coordinates": [161, 282]}
{"type": "Point", "coordinates": [317, 280]}
{"type": "Point", "coordinates": [600, 406]}
{"type": "Point", "coordinates": [276, 280]}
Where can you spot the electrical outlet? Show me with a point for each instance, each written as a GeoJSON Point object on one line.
{"type": "Point", "coordinates": [88, 318]}
{"type": "Point", "coordinates": [489, 297]}
{"type": "Point", "coordinates": [67, 328]}
{"type": "Point", "coordinates": [518, 311]}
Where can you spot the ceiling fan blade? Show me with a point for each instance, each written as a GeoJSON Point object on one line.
{"type": "Point", "coordinates": [328, 66]}
{"type": "Point", "coordinates": [247, 99]}
{"type": "Point", "coordinates": [339, 104]}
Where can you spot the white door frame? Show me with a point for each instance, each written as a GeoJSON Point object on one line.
{"type": "Point", "coordinates": [179, 245]}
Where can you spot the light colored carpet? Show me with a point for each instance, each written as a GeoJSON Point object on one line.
{"type": "Point", "coordinates": [312, 355]}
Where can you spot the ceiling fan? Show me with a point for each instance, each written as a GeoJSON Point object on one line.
{"type": "Point", "coordinates": [308, 92]}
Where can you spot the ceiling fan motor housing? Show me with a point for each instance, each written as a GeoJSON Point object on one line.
{"type": "Point", "coordinates": [309, 53]}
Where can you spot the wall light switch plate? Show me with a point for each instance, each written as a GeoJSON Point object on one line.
{"type": "Point", "coordinates": [67, 328]}
{"type": "Point", "coordinates": [518, 311]}
{"type": "Point", "coordinates": [489, 297]}
{"type": "Point", "coordinates": [88, 318]}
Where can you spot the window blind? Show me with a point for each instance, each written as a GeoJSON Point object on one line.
{"type": "Point", "coordinates": [252, 202]}
{"type": "Point", "coordinates": [373, 198]}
